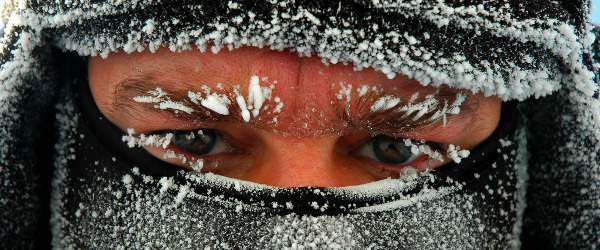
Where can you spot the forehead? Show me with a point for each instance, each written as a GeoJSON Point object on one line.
{"type": "Point", "coordinates": [309, 90]}
{"type": "Point", "coordinates": [190, 69]}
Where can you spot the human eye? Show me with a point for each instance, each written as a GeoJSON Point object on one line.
{"type": "Point", "coordinates": [392, 153]}
{"type": "Point", "coordinates": [200, 142]}
{"type": "Point", "coordinates": [388, 150]}
{"type": "Point", "coordinates": [191, 149]}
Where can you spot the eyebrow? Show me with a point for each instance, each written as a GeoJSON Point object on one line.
{"type": "Point", "coordinates": [143, 84]}
{"type": "Point", "coordinates": [392, 122]}
{"type": "Point", "coordinates": [354, 115]}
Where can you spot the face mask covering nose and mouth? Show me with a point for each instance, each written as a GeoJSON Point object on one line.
{"type": "Point", "coordinates": [109, 195]}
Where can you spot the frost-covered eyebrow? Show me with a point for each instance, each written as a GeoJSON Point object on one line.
{"type": "Point", "coordinates": [355, 115]}
{"type": "Point", "coordinates": [140, 85]}
{"type": "Point", "coordinates": [359, 114]}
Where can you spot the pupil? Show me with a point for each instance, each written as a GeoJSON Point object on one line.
{"type": "Point", "coordinates": [195, 143]}
{"type": "Point", "coordinates": [390, 150]}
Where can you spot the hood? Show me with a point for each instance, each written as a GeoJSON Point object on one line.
{"type": "Point", "coordinates": [536, 52]}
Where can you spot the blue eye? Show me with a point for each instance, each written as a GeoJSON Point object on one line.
{"type": "Point", "coordinates": [388, 150]}
{"type": "Point", "coordinates": [201, 142]}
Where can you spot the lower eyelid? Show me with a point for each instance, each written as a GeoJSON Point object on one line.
{"type": "Point", "coordinates": [416, 163]}
{"type": "Point", "coordinates": [421, 164]}
{"type": "Point", "coordinates": [159, 153]}
{"type": "Point", "coordinates": [178, 150]}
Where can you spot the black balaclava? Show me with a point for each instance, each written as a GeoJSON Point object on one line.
{"type": "Point", "coordinates": [106, 195]}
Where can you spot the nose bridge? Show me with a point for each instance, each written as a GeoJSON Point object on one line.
{"type": "Point", "coordinates": [280, 68]}
{"type": "Point", "coordinates": [300, 162]}
{"type": "Point", "coordinates": [302, 84]}
{"type": "Point", "coordinates": [291, 162]}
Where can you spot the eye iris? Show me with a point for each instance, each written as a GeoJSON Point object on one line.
{"type": "Point", "coordinates": [391, 151]}
{"type": "Point", "coordinates": [198, 144]}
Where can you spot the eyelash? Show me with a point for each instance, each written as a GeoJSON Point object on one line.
{"type": "Point", "coordinates": [394, 170]}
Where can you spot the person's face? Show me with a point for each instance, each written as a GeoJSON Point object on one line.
{"type": "Point", "coordinates": [304, 124]}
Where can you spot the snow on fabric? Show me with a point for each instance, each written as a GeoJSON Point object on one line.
{"type": "Point", "coordinates": [138, 210]}
{"type": "Point", "coordinates": [520, 68]}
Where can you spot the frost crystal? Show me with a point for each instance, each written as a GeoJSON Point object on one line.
{"type": "Point", "coordinates": [164, 102]}
{"type": "Point", "coordinates": [456, 154]}
{"type": "Point", "coordinates": [255, 96]}
{"type": "Point", "coordinates": [385, 103]}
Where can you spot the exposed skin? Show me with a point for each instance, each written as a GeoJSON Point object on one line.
{"type": "Point", "coordinates": [297, 150]}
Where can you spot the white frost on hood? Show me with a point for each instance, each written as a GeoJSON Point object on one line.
{"type": "Point", "coordinates": [454, 69]}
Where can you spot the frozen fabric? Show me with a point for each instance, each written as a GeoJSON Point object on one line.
{"type": "Point", "coordinates": [541, 50]}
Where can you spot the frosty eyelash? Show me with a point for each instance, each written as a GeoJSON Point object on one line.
{"type": "Point", "coordinates": [417, 147]}
{"type": "Point", "coordinates": [435, 151]}
{"type": "Point", "coordinates": [157, 140]}
{"type": "Point", "coordinates": [195, 164]}
{"type": "Point", "coordinates": [161, 140]}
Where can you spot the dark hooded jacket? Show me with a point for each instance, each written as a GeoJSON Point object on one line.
{"type": "Point", "coordinates": [68, 179]}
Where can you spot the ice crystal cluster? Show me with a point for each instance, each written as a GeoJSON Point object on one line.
{"type": "Point", "coordinates": [219, 103]}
